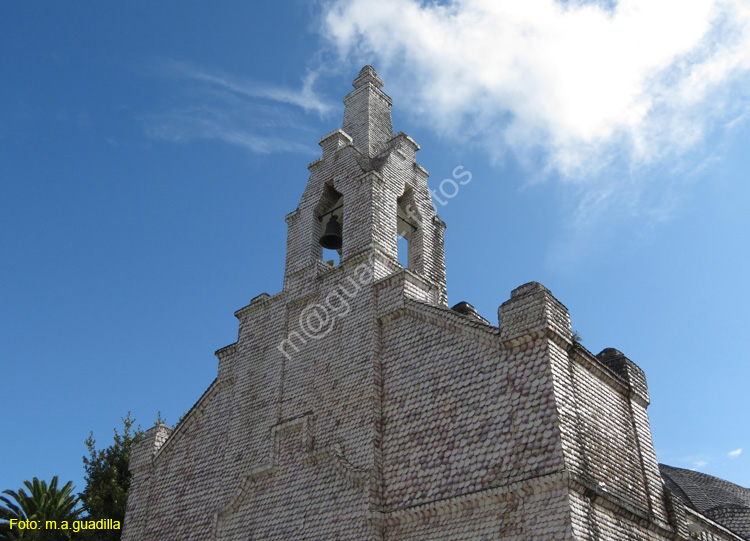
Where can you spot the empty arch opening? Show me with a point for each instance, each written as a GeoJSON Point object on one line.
{"type": "Point", "coordinates": [407, 226]}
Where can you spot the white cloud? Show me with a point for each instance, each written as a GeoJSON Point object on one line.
{"type": "Point", "coordinates": [576, 77]}
{"type": "Point", "coordinates": [735, 453]}
{"type": "Point", "coordinates": [258, 117]}
{"type": "Point", "coordinates": [586, 92]}
{"type": "Point", "coordinates": [699, 464]}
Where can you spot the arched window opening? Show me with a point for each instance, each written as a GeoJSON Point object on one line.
{"type": "Point", "coordinates": [407, 226]}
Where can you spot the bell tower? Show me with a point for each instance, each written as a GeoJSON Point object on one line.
{"type": "Point", "coordinates": [368, 183]}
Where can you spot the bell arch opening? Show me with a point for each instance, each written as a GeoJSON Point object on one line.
{"type": "Point", "coordinates": [328, 225]}
{"type": "Point", "coordinates": [408, 221]}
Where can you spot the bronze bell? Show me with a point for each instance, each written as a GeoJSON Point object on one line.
{"type": "Point", "coordinates": [331, 239]}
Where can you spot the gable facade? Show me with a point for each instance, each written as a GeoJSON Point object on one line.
{"type": "Point", "coordinates": [356, 404]}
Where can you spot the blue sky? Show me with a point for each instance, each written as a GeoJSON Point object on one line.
{"type": "Point", "coordinates": [150, 151]}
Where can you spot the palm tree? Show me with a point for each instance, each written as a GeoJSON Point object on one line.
{"type": "Point", "coordinates": [44, 502]}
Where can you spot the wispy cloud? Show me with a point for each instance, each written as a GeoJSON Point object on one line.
{"type": "Point", "coordinates": [259, 117]}
{"type": "Point", "coordinates": [196, 123]}
{"type": "Point", "coordinates": [699, 464]}
{"type": "Point", "coordinates": [735, 453]}
{"type": "Point", "coordinates": [588, 93]}
{"type": "Point", "coordinates": [305, 97]}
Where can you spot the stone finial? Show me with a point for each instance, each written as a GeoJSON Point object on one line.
{"type": "Point", "coordinates": [531, 309]}
{"type": "Point", "coordinates": [334, 141]}
{"type": "Point", "coordinates": [527, 288]}
{"type": "Point", "coordinates": [143, 453]}
{"type": "Point", "coordinates": [468, 310]}
{"type": "Point", "coordinates": [367, 114]}
{"type": "Point", "coordinates": [368, 75]}
{"type": "Point", "coordinates": [616, 361]}
{"type": "Point", "coordinates": [263, 296]}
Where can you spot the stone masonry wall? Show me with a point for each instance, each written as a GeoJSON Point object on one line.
{"type": "Point", "coordinates": [535, 509]}
{"type": "Point", "coordinates": [463, 416]}
{"type": "Point", "coordinates": [141, 467]}
{"type": "Point", "coordinates": [423, 425]}
{"type": "Point", "coordinates": [593, 521]}
{"type": "Point", "coordinates": [187, 477]}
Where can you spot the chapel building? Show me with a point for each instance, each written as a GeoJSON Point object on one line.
{"type": "Point", "coordinates": [357, 405]}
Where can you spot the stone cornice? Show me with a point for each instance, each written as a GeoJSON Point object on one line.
{"type": "Point", "coordinates": [258, 302]}
{"type": "Point", "coordinates": [226, 351]}
{"type": "Point", "coordinates": [446, 318]}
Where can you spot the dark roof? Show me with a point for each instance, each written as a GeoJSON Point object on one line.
{"type": "Point", "coordinates": [721, 501]}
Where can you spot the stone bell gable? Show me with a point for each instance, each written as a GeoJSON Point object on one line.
{"type": "Point", "coordinates": [355, 404]}
{"type": "Point", "coordinates": [370, 180]}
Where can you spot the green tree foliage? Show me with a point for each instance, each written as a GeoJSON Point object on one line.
{"type": "Point", "coordinates": [108, 478]}
{"type": "Point", "coordinates": [42, 503]}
